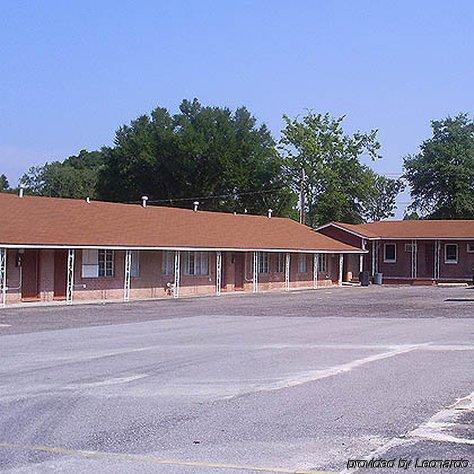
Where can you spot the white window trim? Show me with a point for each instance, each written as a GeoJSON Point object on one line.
{"type": "Point", "coordinates": [302, 262]}
{"type": "Point", "coordinates": [167, 263]}
{"type": "Point", "coordinates": [280, 263]}
{"type": "Point", "coordinates": [451, 262]}
{"type": "Point", "coordinates": [389, 260]}
{"type": "Point", "coordinates": [135, 267]}
{"type": "Point", "coordinates": [198, 259]}
{"type": "Point", "coordinates": [90, 263]}
{"type": "Point", "coordinates": [263, 262]}
{"type": "Point", "coordinates": [323, 263]}
{"type": "Point", "coordinates": [470, 247]}
{"type": "Point", "coordinates": [112, 253]}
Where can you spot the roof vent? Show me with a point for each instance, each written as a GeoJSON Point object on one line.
{"type": "Point", "coordinates": [144, 200]}
{"type": "Point", "coordinates": [21, 191]}
{"type": "Point", "coordinates": [245, 211]}
{"type": "Point", "coordinates": [88, 200]}
{"type": "Point", "coordinates": [196, 205]}
{"type": "Point", "coordinates": [270, 213]}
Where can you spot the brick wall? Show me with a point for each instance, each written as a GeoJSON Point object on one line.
{"type": "Point", "coordinates": [13, 278]}
{"type": "Point", "coordinates": [464, 269]}
{"type": "Point", "coordinates": [401, 269]}
{"type": "Point", "coordinates": [152, 283]}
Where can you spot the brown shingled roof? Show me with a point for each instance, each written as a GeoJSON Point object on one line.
{"type": "Point", "coordinates": [76, 223]}
{"type": "Point", "coordinates": [413, 229]}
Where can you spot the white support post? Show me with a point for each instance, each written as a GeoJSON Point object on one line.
{"type": "Point", "coordinates": [287, 271]}
{"type": "Point", "coordinates": [218, 272]}
{"type": "Point", "coordinates": [127, 275]}
{"type": "Point", "coordinates": [70, 276]}
{"type": "Point", "coordinates": [341, 268]}
{"type": "Point", "coordinates": [361, 258]}
{"type": "Point", "coordinates": [373, 258]}
{"type": "Point", "coordinates": [315, 270]}
{"type": "Point", "coordinates": [377, 256]}
{"type": "Point", "coordinates": [255, 272]}
{"type": "Point", "coordinates": [438, 259]}
{"type": "Point", "coordinates": [3, 277]}
{"type": "Point", "coordinates": [177, 273]}
{"type": "Point", "coordinates": [414, 259]}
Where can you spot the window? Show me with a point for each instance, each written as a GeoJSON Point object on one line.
{"type": "Point", "coordinates": [323, 262]}
{"type": "Point", "coordinates": [106, 263]}
{"type": "Point", "coordinates": [390, 253]}
{"type": "Point", "coordinates": [90, 265]}
{"type": "Point", "coordinates": [280, 263]}
{"type": "Point", "coordinates": [302, 263]}
{"type": "Point", "coordinates": [451, 253]}
{"type": "Point", "coordinates": [263, 262]}
{"type": "Point", "coordinates": [97, 263]}
{"type": "Point", "coordinates": [470, 247]}
{"type": "Point", "coordinates": [135, 267]}
{"type": "Point", "coordinates": [167, 263]}
{"type": "Point", "coordinates": [196, 263]}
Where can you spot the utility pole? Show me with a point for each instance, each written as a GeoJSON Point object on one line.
{"type": "Point", "coordinates": [302, 197]}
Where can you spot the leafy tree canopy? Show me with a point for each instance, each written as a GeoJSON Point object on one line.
{"type": "Point", "coordinates": [338, 187]}
{"type": "Point", "coordinates": [75, 177]}
{"type": "Point", "coordinates": [411, 216]}
{"type": "Point", "coordinates": [4, 184]}
{"type": "Point", "coordinates": [198, 152]}
{"type": "Point", "coordinates": [381, 195]}
{"type": "Point", "coordinates": [441, 175]}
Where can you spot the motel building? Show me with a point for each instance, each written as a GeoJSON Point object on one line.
{"type": "Point", "coordinates": [411, 251]}
{"type": "Point", "coordinates": [69, 250]}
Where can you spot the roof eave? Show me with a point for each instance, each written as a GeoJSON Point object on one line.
{"type": "Point", "coordinates": [345, 229]}
{"type": "Point", "coordinates": [177, 248]}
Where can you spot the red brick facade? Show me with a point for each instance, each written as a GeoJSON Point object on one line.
{"type": "Point", "coordinates": [428, 266]}
{"type": "Point", "coordinates": [426, 269]}
{"type": "Point", "coordinates": [151, 282]}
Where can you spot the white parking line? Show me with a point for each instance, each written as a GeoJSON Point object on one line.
{"type": "Point", "coordinates": [104, 383]}
{"type": "Point", "coordinates": [435, 429]}
{"type": "Point", "coordinates": [438, 426]}
{"type": "Point", "coordinates": [319, 374]}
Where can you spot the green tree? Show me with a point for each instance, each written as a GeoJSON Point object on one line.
{"type": "Point", "coordinates": [75, 177]}
{"type": "Point", "coordinates": [211, 153]}
{"type": "Point", "coordinates": [4, 184]}
{"type": "Point", "coordinates": [441, 175]}
{"type": "Point", "coordinates": [382, 193]}
{"type": "Point", "coordinates": [411, 216]}
{"type": "Point", "coordinates": [338, 187]}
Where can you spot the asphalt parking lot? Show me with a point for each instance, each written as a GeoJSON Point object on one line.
{"type": "Point", "coordinates": [299, 382]}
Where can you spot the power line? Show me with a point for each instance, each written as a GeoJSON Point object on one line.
{"type": "Point", "coordinates": [215, 196]}
{"type": "Point", "coordinates": [239, 194]}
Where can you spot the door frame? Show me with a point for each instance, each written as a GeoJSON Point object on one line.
{"type": "Point", "coordinates": [59, 293]}
{"type": "Point", "coordinates": [241, 256]}
{"type": "Point", "coordinates": [36, 295]}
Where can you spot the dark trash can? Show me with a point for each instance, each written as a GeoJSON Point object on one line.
{"type": "Point", "coordinates": [364, 278]}
{"type": "Point", "coordinates": [378, 278]}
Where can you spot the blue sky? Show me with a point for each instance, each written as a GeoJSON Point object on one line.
{"type": "Point", "coordinates": [72, 72]}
